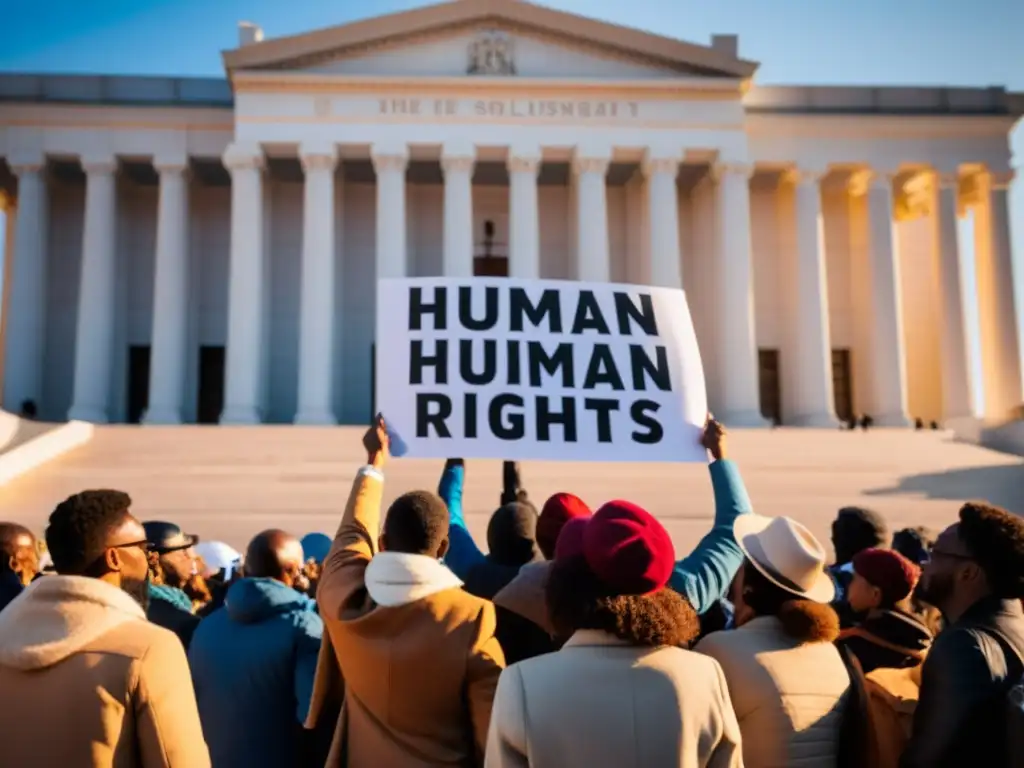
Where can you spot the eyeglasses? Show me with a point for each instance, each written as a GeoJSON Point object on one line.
{"type": "Point", "coordinates": [144, 545]}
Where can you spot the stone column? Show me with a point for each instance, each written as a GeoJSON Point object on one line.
{"type": "Point", "coordinates": [887, 344]}
{"type": "Point", "coordinates": [457, 257]}
{"type": "Point", "coordinates": [170, 295]}
{"type": "Point", "coordinates": [97, 294]}
{"type": "Point", "coordinates": [663, 207]}
{"type": "Point", "coordinates": [390, 165]}
{"type": "Point", "coordinates": [958, 400]}
{"type": "Point", "coordinates": [1002, 300]}
{"type": "Point", "coordinates": [242, 401]}
{"type": "Point", "coordinates": [524, 213]}
{"type": "Point", "coordinates": [316, 314]}
{"type": "Point", "coordinates": [25, 334]}
{"type": "Point", "coordinates": [740, 390]}
{"type": "Point", "coordinates": [815, 397]}
{"type": "Point", "coordinates": [593, 260]}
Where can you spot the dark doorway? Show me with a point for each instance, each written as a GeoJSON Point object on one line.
{"type": "Point", "coordinates": [770, 384]}
{"type": "Point", "coordinates": [210, 398]}
{"type": "Point", "coordinates": [490, 266]}
{"type": "Point", "coordinates": [138, 382]}
{"type": "Point", "coordinates": [842, 383]}
{"type": "Point", "coordinates": [489, 263]}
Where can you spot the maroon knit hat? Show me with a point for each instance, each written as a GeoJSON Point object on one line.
{"type": "Point", "coordinates": [625, 547]}
{"type": "Point", "coordinates": [558, 510]}
{"type": "Point", "coordinates": [887, 570]}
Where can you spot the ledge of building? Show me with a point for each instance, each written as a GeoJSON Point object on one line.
{"type": "Point", "coordinates": [25, 445]}
{"type": "Point", "coordinates": [132, 90]}
{"type": "Point", "coordinates": [887, 100]}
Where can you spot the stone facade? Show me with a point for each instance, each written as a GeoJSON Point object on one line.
{"type": "Point", "coordinates": [186, 250]}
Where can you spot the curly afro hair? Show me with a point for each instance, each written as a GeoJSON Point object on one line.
{"type": "Point", "coordinates": [996, 539]}
{"type": "Point", "coordinates": [576, 600]}
{"type": "Point", "coordinates": [79, 526]}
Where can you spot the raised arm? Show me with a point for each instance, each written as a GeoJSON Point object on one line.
{"type": "Point", "coordinates": [341, 577]}
{"type": "Point", "coordinates": [704, 576]}
{"type": "Point", "coordinates": [463, 553]}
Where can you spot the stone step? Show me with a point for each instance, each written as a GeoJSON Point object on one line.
{"type": "Point", "coordinates": [230, 482]}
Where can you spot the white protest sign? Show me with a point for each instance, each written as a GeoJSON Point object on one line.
{"type": "Point", "coordinates": [513, 369]}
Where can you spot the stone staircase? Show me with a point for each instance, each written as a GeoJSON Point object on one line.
{"type": "Point", "coordinates": [230, 482]}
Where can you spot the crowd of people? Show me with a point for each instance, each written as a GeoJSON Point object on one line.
{"type": "Point", "coordinates": [575, 638]}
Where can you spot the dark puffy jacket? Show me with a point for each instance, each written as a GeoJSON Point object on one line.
{"type": "Point", "coordinates": [253, 663]}
{"type": "Point", "coordinates": [961, 715]}
{"type": "Point", "coordinates": [171, 609]}
{"type": "Point", "coordinates": [891, 639]}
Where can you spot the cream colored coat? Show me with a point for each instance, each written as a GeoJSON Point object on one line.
{"type": "Point", "coordinates": [602, 702]}
{"type": "Point", "coordinates": [788, 696]}
{"type": "Point", "coordinates": [89, 683]}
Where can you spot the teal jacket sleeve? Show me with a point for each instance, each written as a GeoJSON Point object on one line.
{"type": "Point", "coordinates": [704, 576]}
{"type": "Point", "coordinates": [463, 553]}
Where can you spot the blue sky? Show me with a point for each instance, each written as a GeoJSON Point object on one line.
{"type": "Point", "coordinates": [878, 42]}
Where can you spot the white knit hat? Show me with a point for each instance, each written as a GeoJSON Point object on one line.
{"type": "Point", "coordinates": [217, 556]}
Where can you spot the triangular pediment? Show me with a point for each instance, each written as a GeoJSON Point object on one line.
{"type": "Point", "coordinates": [438, 40]}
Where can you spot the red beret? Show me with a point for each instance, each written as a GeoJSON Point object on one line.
{"type": "Point", "coordinates": [625, 547]}
{"type": "Point", "coordinates": [887, 570]}
{"type": "Point", "coordinates": [570, 540]}
{"type": "Point", "coordinates": [557, 511]}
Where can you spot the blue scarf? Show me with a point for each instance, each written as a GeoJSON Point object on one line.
{"type": "Point", "coordinates": [171, 595]}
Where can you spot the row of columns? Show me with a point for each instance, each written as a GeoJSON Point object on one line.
{"type": "Point", "coordinates": [739, 395]}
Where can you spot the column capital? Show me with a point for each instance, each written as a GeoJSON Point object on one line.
{"type": "Point", "coordinates": [457, 163]}
{"type": "Point", "coordinates": [653, 165]}
{"type": "Point", "coordinates": [26, 162]}
{"type": "Point", "coordinates": [745, 170]}
{"type": "Point", "coordinates": [243, 156]}
{"type": "Point", "coordinates": [100, 164]}
{"type": "Point", "coordinates": [170, 164]}
{"type": "Point", "coordinates": [583, 164]}
{"type": "Point", "coordinates": [1002, 179]}
{"type": "Point", "coordinates": [320, 161]}
{"type": "Point", "coordinates": [524, 163]}
{"type": "Point", "coordinates": [389, 160]}
{"type": "Point", "coordinates": [807, 176]}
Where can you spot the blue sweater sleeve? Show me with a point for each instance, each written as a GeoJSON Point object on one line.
{"type": "Point", "coordinates": [704, 576]}
{"type": "Point", "coordinates": [463, 553]}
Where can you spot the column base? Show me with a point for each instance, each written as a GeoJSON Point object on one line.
{"type": "Point", "coordinates": [892, 420]}
{"type": "Point", "coordinates": [744, 419]}
{"type": "Point", "coordinates": [814, 420]}
{"type": "Point", "coordinates": [162, 415]}
{"type": "Point", "coordinates": [313, 418]}
{"type": "Point", "coordinates": [240, 415]}
{"type": "Point", "coordinates": [90, 413]}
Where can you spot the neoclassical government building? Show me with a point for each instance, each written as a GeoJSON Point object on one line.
{"type": "Point", "coordinates": [204, 250]}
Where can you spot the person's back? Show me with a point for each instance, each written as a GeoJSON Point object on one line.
{"type": "Point", "coordinates": [253, 662]}
{"type": "Point", "coordinates": [90, 682]}
{"type": "Point", "coordinates": [787, 693]}
{"type": "Point", "coordinates": [417, 653]}
{"type": "Point", "coordinates": [600, 702]}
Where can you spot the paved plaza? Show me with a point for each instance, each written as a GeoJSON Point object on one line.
{"type": "Point", "coordinates": [230, 482]}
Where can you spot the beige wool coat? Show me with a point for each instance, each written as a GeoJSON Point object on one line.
{"type": "Point", "coordinates": [412, 654]}
{"type": "Point", "coordinates": [88, 682]}
{"type": "Point", "coordinates": [789, 696]}
{"type": "Point", "coordinates": [600, 701]}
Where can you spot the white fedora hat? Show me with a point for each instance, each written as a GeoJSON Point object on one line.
{"type": "Point", "coordinates": [787, 554]}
